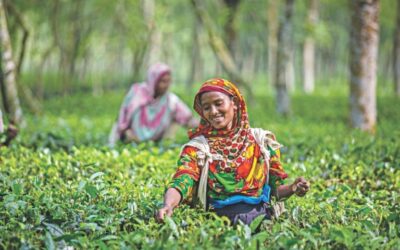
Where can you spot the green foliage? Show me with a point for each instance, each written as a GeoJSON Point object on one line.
{"type": "Point", "coordinates": [60, 186]}
{"type": "Point", "coordinates": [103, 44]}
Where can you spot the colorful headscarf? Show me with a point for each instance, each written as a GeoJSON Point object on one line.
{"type": "Point", "coordinates": [229, 143]}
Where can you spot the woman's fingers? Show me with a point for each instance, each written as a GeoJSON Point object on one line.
{"type": "Point", "coordinates": [169, 212]}
{"type": "Point", "coordinates": [300, 179]}
{"type": "Point", "coordinates": [302, 186]}
{"type": "Point", "coordinates": [165, 211]}
{"type": "Point", "coordinates": [161, 214]}
{"type": "Point", "coordinates": [302, 192]}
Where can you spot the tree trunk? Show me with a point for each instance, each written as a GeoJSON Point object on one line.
{"type": "Point", "coordinates": [25, 34]}
{"type": "Point", "coordinates": [76, 36]}
{"type": "Point", "coordinates": [1, 123]}
{"type": "Point", "coordinates": [40, 71]}
{"type": "Point", "coordinates": [60, 44]}
{"type": "Point", "coordinates": [289, 70]}
{"type": "Point", "coordinates": [25, 92]}
{"type": "Point", "coordinates": [138, 58]}
{"type": "Point", "coordinates": [363, 63]}
{"type": "Point", "coordinates": [249, 62]}
{"type": "Point", "coordinates": [273, 10]}
{"type": "Point", "coordinates": [229, 27]}
{"type": "Point", "coordinates": [220, 49]}
{"type": "Point", "coordinates": [155, 37]}
{"type": "Point", "coordinates": [396, 53]}
{"type": "Point", "coordinates": [7, 72]}
{"type": "Point", "coordinates": [283, 56]}
{"type": "Point", "coordinates": [309, 49]}
{"type": "Point", "coordinates": [197, 61]}
{"type": "Point", "coordinates": [69, 37]}
{"type": "Point", "coordinates": [29, 99]}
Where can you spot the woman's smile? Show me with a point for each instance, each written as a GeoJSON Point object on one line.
{"type": "Point", "coordinates": [218, 109]}
{"type": "Point", "coordinates": [218, 118]}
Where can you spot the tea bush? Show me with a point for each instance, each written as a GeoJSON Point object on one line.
{"type": "Point", "coordinates": [61, 187]}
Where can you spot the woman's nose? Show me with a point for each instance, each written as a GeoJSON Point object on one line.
{"type": "Point", "coordinates": [213, 110]}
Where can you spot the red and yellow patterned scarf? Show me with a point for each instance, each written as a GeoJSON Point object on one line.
{"type": "Point", "coordinates": [231, 144]}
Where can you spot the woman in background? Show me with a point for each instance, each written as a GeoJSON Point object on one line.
{"type": "Point", "coordinates": [149, 109]}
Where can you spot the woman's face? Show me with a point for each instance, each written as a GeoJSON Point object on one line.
{"type": "Point", "coordinates": [162, 85]}
{"type": "Point", "coordinates": [218, 109]}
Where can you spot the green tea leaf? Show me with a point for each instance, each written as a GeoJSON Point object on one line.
{"type": "Point", "coordinates": [256, 222]}
{"type": "Point", "coordinates": [91, 190]}
{"type": "Point", "coordinates": [96, 175]}
{"type": "Point", "coordinates": [48, 241]}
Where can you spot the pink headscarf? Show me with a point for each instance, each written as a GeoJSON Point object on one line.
{"type": "Point", "coordinates": [154, 74]}
{"type": "Point", "coordinates": [143, 94]}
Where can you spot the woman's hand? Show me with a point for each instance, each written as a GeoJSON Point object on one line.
{"type": "Point", "coordinates": [129, 136]}
{"type": "Point", "coordinates": [171, 199]}
{"type": "Point", "coordinates": [300, 186]}
{"type": "Point", "coordinates": [12, 131]}
{"type": "Point", "coordinates": [165, 211]}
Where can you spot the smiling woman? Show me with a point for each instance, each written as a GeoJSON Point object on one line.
{"type": "Point", "coordinates": [218, 109]}
{"type": "Point", "coordinates": [231, 168]}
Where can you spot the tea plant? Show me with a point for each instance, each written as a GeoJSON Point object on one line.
{"type": "Point", "coordinates": [60, 186]}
